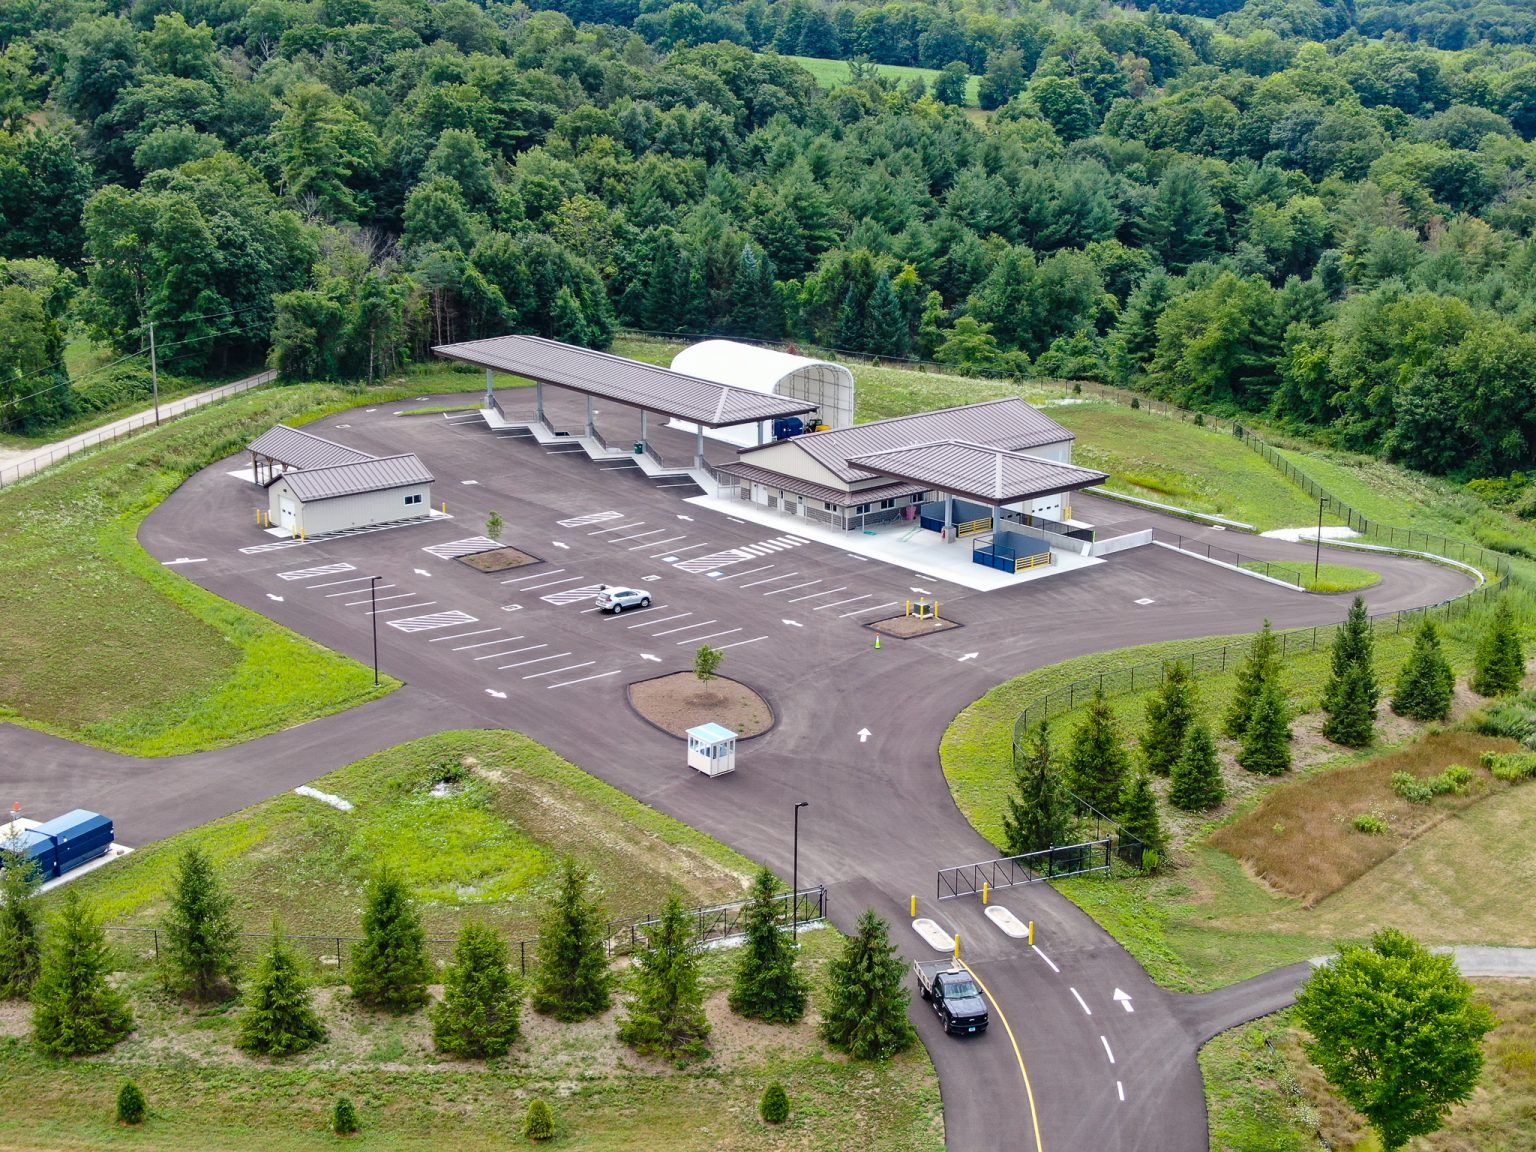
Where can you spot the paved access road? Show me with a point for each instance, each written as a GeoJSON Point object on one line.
{"type": "Point", "coordinates": [525, 650]}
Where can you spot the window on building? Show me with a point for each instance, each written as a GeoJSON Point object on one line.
{"type": "Point", "coordinates": [915, 498]}
{"type": "Point", "coordinates": [829, 506]}
{"type": "Point", "coordinates": [413, 498]}
{"type": "Point", "coordinates": [888, 503]}
{"type": "Point", "coordinates": [861, 509]}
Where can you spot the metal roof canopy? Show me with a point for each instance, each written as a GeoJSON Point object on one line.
{"type": "Point", "coordinates": [992, 475]}
{"type": "Point", "coordinates": [373, 475]}
{"type": "Point", "coordinates": [809, 488]}
{"type": "Point", "coordinates": [630, 382]}
{"type": "Point", "coordinates": [296, 448]}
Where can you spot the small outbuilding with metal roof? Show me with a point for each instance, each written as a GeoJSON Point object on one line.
{"type": "Point", "coordinates": [316, 487]}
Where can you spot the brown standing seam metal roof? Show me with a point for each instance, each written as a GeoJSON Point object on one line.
{"type": "Point", "coordinates": [813, 491]}
{"type": "Point", "coordinates": [1008, 423]}
{"type": "Point", "coordinates": [299, 449]}
{"type": "Point", "coordinates": [629, 382]}
{"type": "Point", "coordinates": [980, 471]}
{"type": "Point", "coordinates": [370, 475]}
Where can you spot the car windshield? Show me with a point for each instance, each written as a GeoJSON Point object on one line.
{"type": "Point", "coordinates": [959, 989]}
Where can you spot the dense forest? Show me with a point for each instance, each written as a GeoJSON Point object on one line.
{"type": "Point", "coordinates": [1318, 211]}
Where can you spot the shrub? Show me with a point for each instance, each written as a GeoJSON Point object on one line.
{"type": "Point", "coordinates": [1458, 776]}
{"type": "Point", "coordinates": [1514, 719]}
{"type": "Point", "coordinates": [539, 1124]}
{"type": "Point", "coordinates": [344, 1117]}
{"type": "Point", "coordinates": [1412, 789]}
{"type": "Point", "coordinates": [1370, 823]}
{"type": "Point", "coordinates": [1135, 402]}
{"type": "Point", "coordinates": [131, 1105]}
{"type": "Point", "coordinates": [774, 1106]}
{"type": "Point", "coordinates": [1199, 420]}
{"type": "Point", "coordinates": [1077, 387]}
{"type": "Point", "coordinates": [1510, 767]}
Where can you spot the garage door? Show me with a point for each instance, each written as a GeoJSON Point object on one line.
{"type": "Point", "coordinates": [287, 514]}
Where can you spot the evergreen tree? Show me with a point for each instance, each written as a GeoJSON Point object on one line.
{"type": "Point", "coordinates": [1267, 741]}
{"type": "Point", "coordinates": [887, 326]}
{"type": "Point", "coordinates": [1039, 814]}
{"type": "Point", "coordinates": [571, 978]}
{"type": "Point", "coordinates": [767, 984]}
{"type": "Point", "coordinates": [1261, 666]}
{"type": "Point", "coordinates": [568, 323]}
{"type": "Point", "coordinates": [479, 1013]}
{"type": "Point", "coordinates": [200, 930]}
{"type": "Point", "coordinates": [1499, 665]}
{"type": "Point", "coordinates": [1351, 694]}
{"type": "Point", "coordinates": [278, 1019]}
{"type": "Point", "coordinates": [20, 939]}
{"type": "Point", "coordinates": [665, 1014]}
{"type": "Point", "coordinates": [1138, 814]}
{"type": "Point", "coordinates": [1197, 785]}
{"type": "Point", "coordinates": [1426, 683]}
{"type": "Point", "coordinates": [867, 996]}
{"type": "Point", "coordinates": [1169, 715]}
{"type": "Point", "coordinates": [1097, 763]}
{"type": "Point", "coordinates": [75, 1011]}
{"type": "Point", "coordinates": [774, 1106]}
{"type": "Point", "coordinates": [390, 965]}
{"type": "Point", "coordinates": [131, 1105]}
{"type": "Point", "coordinates": [539, 1123]}
{"type": "Point", "coordinates": [344, 1120]}
{"type": "Point", "coordinates": [852, 333]}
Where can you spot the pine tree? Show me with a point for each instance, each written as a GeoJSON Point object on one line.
{"type": "Point", "coordinates": [1261, 666]}
{"type": "Point", "coordinates": [390, 965]}
{"type": "Point", "coordinates": [774, 1106]}
{"type": "Point", "coordinates": [1267, 742]}
{"type": "Point", "coordinates": [887, 326]}
{"type": "Point", "coordinates": [1426, 683]}
{"type": "Point", "coordinates": [21, 948]}
{"type": "Point", "coordinates": [75, 1011]}
{"type": "Point", "coordinates": [1169, 715]}
{"type": "Point", "coordinates": [479, 1013]}
{"type": "Point", "coordinates": [1499, 665]}
{"type": "Point", "coordinates": [1138, 814]}
{"type": "Point", "coordinates": [200, 931]}
{"type": "Point", "coordinates": [665, 1013]}
{"type": "Point", "coordinates": [1197, 785]}
{"type": "Point", "coordinates": [278, 1019]}
{"type": "Point", "coordinates": [1351, 694]}
{"type": "Point", "coordinates": [767, 984]}
{"type": "Point", "coordinates": [852, 322]}
{"type": "Point", "coordinates": [571, 978]}
{"type": "Point", "coordinates": [1039, 814]}
{"type": "Point", "coordinates": [131, 1105]}
{"type": "Point", "coordinates": [1097, 763]}
{"type": "Point", "coordinates": [539, 1124]}
{"type": "Point", "coordinates": [867, 996]}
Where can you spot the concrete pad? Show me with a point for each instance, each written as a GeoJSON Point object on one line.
{"type": "Point", "coordinates": [1008, 922]}
{"type": "Point", "coordinates": [1295, 535]}
{"type": "Point", "coordinates": [938, 939]}
{"type": "Point", "coordinates": [101, 861]}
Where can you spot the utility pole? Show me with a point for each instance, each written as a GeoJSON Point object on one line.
{"type": "Point", "coordinates": [154, 372]}
{"type": "Point", "coordinates": [794, 883]}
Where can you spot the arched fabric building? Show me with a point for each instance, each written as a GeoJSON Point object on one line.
{"type": "Point", "coordinates": [773, 373]}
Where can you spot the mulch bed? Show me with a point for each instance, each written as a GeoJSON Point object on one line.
{"type": "Point", "coordinates": [906, 627]}
{"type": "Point", "coordinates": [678, 702]}
{"type": "Point", "coordinates": [498, 559]}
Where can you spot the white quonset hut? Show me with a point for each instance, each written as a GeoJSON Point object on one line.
{"type": "Point", "coordinates": [316, 486]}
{"type": "Point", "coordinates": [829, 386]}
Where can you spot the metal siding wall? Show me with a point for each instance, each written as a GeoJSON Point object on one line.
{"type": "Point", "coordinates": [364, 509]}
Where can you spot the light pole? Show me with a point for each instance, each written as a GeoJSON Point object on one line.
{"type": "Point", "coordinates": [373, 615]}
{"type": "Point", "coordinates": [794, 883]}
{"type": "Point", "coordinates": [1317, 556]}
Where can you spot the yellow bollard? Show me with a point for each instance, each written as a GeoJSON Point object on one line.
{"type": "Point", "coordinates": [936, 610]}
{"type": "Point", "coordinates": [957, 945]}
{"type": "Point", "coordinates": [445, 507]}
{"type": "Point", "coordinates": [908, 611]}
{"type": "Point", "coordinates": [1031, 933]}
{"type": "Point", "coordinates": [984, 891]}
{"type": "Point", "coordinates": [914, 907]}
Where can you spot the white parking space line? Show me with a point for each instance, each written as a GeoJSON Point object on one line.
{"type": "Point", "coordinates": [508, 651]}
{"type": "Point", "coordinates": [791, 588]}
{"type": "Point", "coordinates": [535, 660]}
{"type": "Point", "coordinates": [551, 584]}
{"type": "Point", "coordinates": [840, 603]}
{"type": "Point", "coordinates": [515, 652]}
{"type": "Point", "coordinates": [663, 620]}
{"type": "Point", "coordinates": [684, 484]}
{"type": "Point", "coordinates": [739, 643]}
{"type": "Point", "coordinates": [616, 528]}
{"type": "Point", "coordinates": [677, 551]}
{"type": "Point", "coordinates": [339, 583]}
{"type": "Point", "coordinates": [584, 611]}
{"type": "Point", "coordinates": [686, 627]}
{"type": "Point", "coordinates": [636, 536]}
{"type": "Point", "coordinates": [584, 679]}
{"type": "Point", "coordinates": [572, 595]}
{"type": "Point", "coordinates": [378, 599]}
{"type": "Point", "coordinates": [796, 539]}
{"type": "Point", "coordinates": [486, 643]}
{"type": "Point", "coordinates": [557, 671]}
{"type": "Point", "coordinates": [654, 543]}
{"type": "Point", "coordinates": [876, 608]}
{"type": "Point", "coordinates": [634, 611]}
{"type": "Point", "coordinates": [534, 576]}
{"type": "Point", "coordinates": [353, 591]}
{"type": "Point", "coordinates": [404, 607]}
{"type": "Point", "coordinates": [594, 518]}
{"type": "Point", "coordinates": [463, 635]}
{"type": "Point", "coordinates": [711, 636]}
{"type": "Point", "coordinates": [769, 579]}
{"type": "Point", "coordinates": [812, 595]}
{"type": "Point", "coordinates": [748, 572]}
{"type": "Point", "coordinates": [1081, 1003]}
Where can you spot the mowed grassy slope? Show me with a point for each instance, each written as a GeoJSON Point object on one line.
{"type": "Point", "coordinates": [480, 852]}
{"type": "Point", "coordinates": [104, 644]}
{"type": "Point", "coordinates": [832, 74]}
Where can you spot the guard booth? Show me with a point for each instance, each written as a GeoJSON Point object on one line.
{"type": "Point", "coordinates": [712, 749]}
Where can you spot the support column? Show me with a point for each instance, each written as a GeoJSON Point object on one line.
{"type": "Point", "coordinates": [591, 425]}
{"type": "Point", "coordinates": [490, 388]}
{"type": "Point", "coordinates": [538, 400]}
{"type": "Point", "coordinates": [759, 433]}
{"type": "Point", "coordinates": [949, 517]}
{"type": "Point", "coordinates": [698, 447]}
{"type": "Point", "coordinates": [644, 436]}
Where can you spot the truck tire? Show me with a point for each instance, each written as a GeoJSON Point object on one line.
{"type": "Point", "coordinates": [927, 995]}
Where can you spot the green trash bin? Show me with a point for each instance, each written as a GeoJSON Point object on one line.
{"type": "Point", "coordinates": [639, 447]}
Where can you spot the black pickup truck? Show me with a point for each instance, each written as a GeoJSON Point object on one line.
{"type": "Point", "coordinates": [954, 996]}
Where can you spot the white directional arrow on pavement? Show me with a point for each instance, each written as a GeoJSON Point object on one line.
{"type": "Point", "coordinates": [922, 591]}
{"type": "Point", "coordinates": [422, 572]}
{"type": "Point", "coordinates": [1125, 1000]}
{"type": "Point", "coordinates": [493, 692]}
{"type": "Point", "coordinates": [680, 516]}
{"type": "Point", "coordinates": [969, 656]}
{"type": "Point", "coordinates": [274, 596]}
{"type": "Point", "coordinates": [648, 656]}
{"type": "Point", "coordinates": [557, 544]}
{"type": "Point", "coordinates": [864, 734]}
{"type": "Point", "coordinates": [186, 560]}
{"type": "Point", "coordinates": [794, 623]}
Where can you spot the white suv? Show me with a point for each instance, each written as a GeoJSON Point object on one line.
{"type": "Point", "coordinates": [615, 600]}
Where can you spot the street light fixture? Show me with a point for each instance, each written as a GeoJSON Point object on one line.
{"type": "Point", "coordinates": [794, 883]}
{"type": "Point", "coordinates": [373, 615]}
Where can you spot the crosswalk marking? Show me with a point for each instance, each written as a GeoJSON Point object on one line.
{"type": "Point", "coordinates": [595, 518]}
{"type": "Point", "coordinates": [327, 537]}
{"type": "Point", "coordinates": [713, 560]}
{"type": "Point", "coordinates": [322, 570]}
{"type": "Point", "coordinates": [572, 595]}
{"type": "Point", "coordinates": [432, 620]}
{"type": "Point", "coordinates": [466, 547]}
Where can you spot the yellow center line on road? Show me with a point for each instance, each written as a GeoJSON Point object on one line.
{"type": "Point", "coordinates": [1029, 1091]}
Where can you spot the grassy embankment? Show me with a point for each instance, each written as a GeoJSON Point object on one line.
{"type": "Point", "coordinates": [479, 852]}
{"type": "Point", "coordinates": [1324, 578]}
{"type": "Point", "coordinates": [831, 74]}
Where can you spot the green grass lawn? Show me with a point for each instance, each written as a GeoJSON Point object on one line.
{"type": "Point", "coordinates": [834, 74]}
{"type": "Point", "coordinates": [481, 852]}
{"type": "Point", "coordinates": [1324, 578]}
{"type": "Point", "coordinates": [88, 610]}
